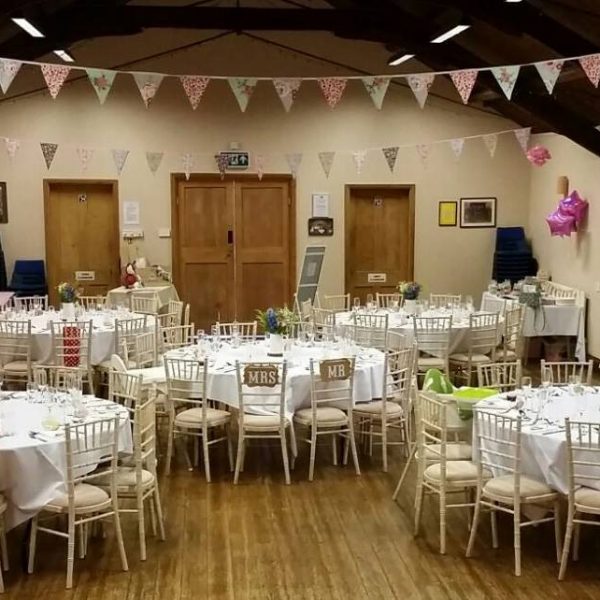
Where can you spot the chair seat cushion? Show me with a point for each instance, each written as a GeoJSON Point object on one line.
{"type": "Point", "coordinates": [476, 358]}
{"type": "Point", "coordinates": [454, 451]}
{"type": "Point", "coordinates": [393, 409]}
{"type": "Point", "coordinates": [126, 479]}
{"type": "Point", "coordinates": [503, 487]}
{"type": "Point", "coordinates": [430, 362]}
{"type": "Point", "coordinates": [261, 421]}
{"type": "Point", "coordinates": [502, 355]}
{"type": "Point", "coordinates": [17, 366]}
{"type": "Point", "coordinates": [326, 415]}
{"type": "Point", "coordinates": [192, 417]}
{"type": "Point", "coordinates": [86, 495]}
{"type": "Point", "coordinates": [456, 470]}
{"type": "Point", "coordinates": [587, 497]}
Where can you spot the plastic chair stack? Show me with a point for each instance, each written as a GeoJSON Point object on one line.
{"type": "Point", "coordinates": [29, 278]}
{"type": "Point", "coordinates": [513, 258]}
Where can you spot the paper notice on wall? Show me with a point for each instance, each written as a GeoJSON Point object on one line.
{"type": "Point", "coordinates": [320, 205]}
{"type": "Point", "coordinates": [131, 213]}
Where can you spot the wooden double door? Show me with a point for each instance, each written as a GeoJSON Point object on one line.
{"type": "Point", "coordinates": [233, 245]}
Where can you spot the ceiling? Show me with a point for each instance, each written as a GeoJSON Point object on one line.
{"type": "Point", "coordinates": [341, 37]}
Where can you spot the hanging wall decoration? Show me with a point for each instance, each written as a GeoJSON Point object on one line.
{"type": "Point", "coordinates": [154, 159]}
{"type": "Point", "coordinates": [286, 89]}
{"type": "Point", "coordinates": [85, 156]}
{"type": "Point", "coordinates": [293, 160]}
{"type": "Point", "coordinates": [148, 84]}
{"type": "Point", "coordinates": [119, 158]}
{"type": "Point", "coordinates": [491, 142]}
{"type": "Point", "coordinates": [101, 81]}
{"type": "Point", "coordinates": [420, 86]}
{"type": "Point", "coordinates": [333, 89]}
{"type": "Point", "coordinates": [242, 89]}
{"type": "Point", "coordinates": [464, 82]}
{"type": "Point", "coordinates": [194, 87]}
{"type": "Point", "coordinates": [8, 71]}
{"type": "Point", "coordinates": [49, 152]}
{"type": "Point", "coordinates": [377, 88]}
{"type": "Point", "coordinates": [54, 76]}
{"type": "Point", "coordinates": [549, 72]}
{"type": "Point", "coordinates": [506, 78]}
{"type": "Point", "coordinates": [359, 160]}
{"type": "Point", "coordinates": [12, 147]}
{"type": "Point", "coordinates": [591, 67]}
{"type": "Point", "coordinates": [326, 159]}
{"type": "Point", "coordinates": [390, 154]}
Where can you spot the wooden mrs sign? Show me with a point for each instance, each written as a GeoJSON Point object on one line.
{"type": "Point", "coordinates": [335, 370]}
{"type": "Point", "coordinates": [261, 375]}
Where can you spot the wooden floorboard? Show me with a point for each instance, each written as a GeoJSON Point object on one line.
{"type": "Point", "coordinates": [339, 537]}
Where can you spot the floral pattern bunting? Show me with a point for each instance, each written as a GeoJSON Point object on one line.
{"type": "Point", "coordinates": [457, 146]}
{"type": "Point", "coordinates": [260, 163]}
{"type": "Point", "coordinates": [464, 81]}
{"type": "Point", "coordinates": [420, 86]}
{"type": "Point", "coordinates": [148, 84]}
{"type": "Point", "coordinates": [187, 163]}
{"type": "Point", "coordinates": [293, 160]}
{"type": "Point", "coordinates": [49, 152]}
{"type": "Point", "coordinates": [85, 156]}
{"type": "Point", "coordinates": [591, 67]}
{"type": "Point", "coordinates": [326, 160]}
{"type": "Point", "coordinates": [242, 90]}
{"type": "Point", "coordinates": [12, 147]}
{"type": "Point", "coordinates": [55, 76]}
{"type": "Point", "coordinates": [194, 87]}
{"type": "Point", "coordinates": [101, 81]}
{"type": "Point", "coordinates": [491, 141]}
{"type": "Point", "coordinates": [359, 158]}
{"type": "Point", "coordinates": [549, 72]}
{"type": "Point", "coordinates": [506, 78]}
{"type": "Point", "coordinates": [391, 154]}
{"type": "Point", "coordinates": [333, 89]}
{"type": "Point", "coordinates": [8, 71]}
{"type": "Point", "coordinates": [377, 88]}
{"type": "Point", "coordinates": [221, 160]}
{"type": "Point", "coordinates": [523, 136]}
{"type": "Point", "coordinates": [154, 159]}
{"type": "Point", "coordinates": [119, 158]}
{"type": "Point", "coordinates": [424, 150]}
{"type": "Point", "coordinates": [287, 89]}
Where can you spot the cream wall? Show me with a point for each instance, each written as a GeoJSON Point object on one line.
{"type": "Point", "coordinates": [575, 260]}
{"type": "Point", "coordinates": [446, 259]}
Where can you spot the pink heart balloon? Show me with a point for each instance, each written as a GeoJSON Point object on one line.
{"type": "Point", "coordinates": [561, 224]}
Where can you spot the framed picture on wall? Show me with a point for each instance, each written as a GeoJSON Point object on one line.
{"type": "Point", "coordinates": [319, 226]}
{"type": "Point", "coordinates": [477, 212]}
{"type": "Point", "coordinates": [448, 213]}
{"type": "Point", "coordinates": [3, 203]}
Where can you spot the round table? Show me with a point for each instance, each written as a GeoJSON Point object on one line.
{"type": "Point", "coordinates": [32, 460]}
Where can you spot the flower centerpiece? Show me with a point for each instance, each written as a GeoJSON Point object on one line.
{"type": "Point", "coordinates": [67, 294]}
{"type": "Point", "coordinates": [410, 292]}
{"type": "Point", "coordinates": [277, 322]}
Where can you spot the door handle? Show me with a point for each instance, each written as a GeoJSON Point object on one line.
{"type": "Point", "coordinates": [229, 236]}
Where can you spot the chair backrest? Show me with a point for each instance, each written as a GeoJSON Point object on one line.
{"type": "Point", "coordinates": [561, 371]}
{"type": "Point", "coordinates": [144, 350]}
{"type": "Point", "coordinates": [503, 376]}
{"type": "Point", "coordinates": [126, 330]}
{"type": "Point", "coordinates": [144, 436]}
{"type": "Point", "coordinates": [62, 378]}
{"type": "Point", "coordinates": [176, 306]}
{"type": "Point", "coordinates": [186, 383]}
{"type": "Point", "coordinates": [483, 333]}
{"type": "Point", "coordinates": [146, 303]}
{"type": "Point", "coordinates": [332, 381]}
{"type": "Point", "coordinates": [493, 304]}
{"type": "Point", "coordinates": [337, 302]}
{"type": "Point", "coordinates": [433, 335]}
{"type": "Point", "coordinates": [445, 300]}
{"type": "Point", "coordinates": [71, 343]}
{"type": "Point", "coordinates": [244, 331]}
{"type": "Point", "coordinates": [398, 341]}
{"type": "Point", "coordinates": [261, 386]}
{"type": "Point", "coordinates": [117, 363]}
{"type": "Point", "coordinates": [186, 315]}
{"type": "Point", "coordinates": [583, 454]}
{"type": "Point", "coordinates": [30, 302]}
{"type": "Point", "coordinates": [92, 302]}
{"type": "Point", "coordinates": [513, 329]}
{"type": "Point", "coordinates": [306, 309]}
{"type": "Point", "coordinates": [370, 330]}
{"type": "Point", "coordinates": [15, 342]}
{"type": "Point", "coordinates": [432, 429]}
{"type": "Point", "coordinates": [177, 337]}
{"type": "Point", "coordinates": [397, 379]}
{"type": "Point", "coordinates": [170, 319]}
{"type": "Point", "coordinates": [124, 389]}
{"type": "Point", "coordinates": [324, 321]}
{"type": "Point", "coordinates": [388, 300]}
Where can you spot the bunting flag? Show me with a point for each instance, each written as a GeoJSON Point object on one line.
{"type": "Point", "coordinates": [148, 84]}
{"type": "Point", "coordinates": [490, 141]}
{"type": "Point", "coordinates": [523, 136]}
{"type": "Point", "coordinates": [591, 67]}
{"type": "Point", "coordinates": [506, 78]}
{"type": "Point", "coordinates": [326, 160]}
{"type": "Point", "coordinates": [549, 72]}
{"type": "Point", "coordinates": [420, 86]}
{"type": "Point", "coordinates": [333, 89]}
{"type": "Point", "coordinates": [85, 156]}
{"type": "Point", "coordinates": [154, 159]}
{"type": "Point", "coordinates": [221, 160]}
{"type": "Point", "coordinates": [101, 81]}
{"type": "Point", "coordinates": [194, 87]}
{"type": "Point", "coordinates": [8, 71]}
{"type": "Point", "coordinates": [286, 90]}
{"type": "Point", "coordinates": [424, 150]}
{"type": "Point", "coordinates": [464, 81]}
{"type": "Point", "coordinates": [49, 152]}
{"type": "Point", "coordinates": [12, 147]}
{"type": "Point", "coordinates": [119, 158]}
{"type": "Point", "coordinates": [359, 158]}
{"type": "Point", "coordinates": [293, 160]}
{"type": "Point", "coordinates": [391, 154]}
{"type": "Point", "coordinates": [260, 163]}
{"type": "Point", "coordinates": [377, 88]}
{"type": "Point", "coordinates": [457, 146]}
{"type": "Point", "coordinates": [54, 76]}
{"type": "Point", "coordinates": [242, 90]}
{"type": "Point", "coordinates": [187, 163]}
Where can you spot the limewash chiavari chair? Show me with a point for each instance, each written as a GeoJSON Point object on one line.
{"type": "Point", "coordinates": [177, 337]}
{"type": "Point", "coordinates": [245, 331]}
{"type": "Point", "coordinates": [561, 371]}
{"type": "Point", "coordinates": [445, 300]}
{"type": "Point", "coordinates": [336, 302]}
{"type": "Point", "coordinates": [583, 461]}
{"type": "Point", "coordinates": [177, 307]}
{"type": "Point", "coordinates": [63, 378]}
{"type": "Point", "coordinates": [433, 340]}
{"type": "Point", "coordinates": [503, 376]}
{"type": "Point", "coordinates": [3, 547]}
{"type": "Point", "coordinates": [186, 315]}
{"type": "Point", "coordinates": [493, 304]}
{"type": "Point", "coordinates": [126, 332]}
{"type": "Point", "coordinates": [145, 352]}
{"type": "Point", "coordinates": [15, 351]}
{"type": "Point", "coordinates": [498, 442]}
{"type": "Point", "coordinates": [146, 303]}
{"type": "Point", "coordinates": [370, 330]}
{"type": "Point", "coordinates": [324, 321]}
{"type": "Point", "coordinates": [92, 302]}
{"type": "Point", "coordinates": [170, 319]}
{"type": "Point", "coordinates": [30, 302]}
{"type": "Point", "coordinates": [512, 336]}
{"type": "Point", "coordinates": [261, 387]}
{"type": "Point", "coordinates": [441, 469]}
{"type": "Point", "coordinates": [84, 501]}
{"type": "Point", "coordinates": [189, 412]}
{"type": "Point", "coordinates": [388, 300]}
{"type": "Point", "coordinates": [332, 386]}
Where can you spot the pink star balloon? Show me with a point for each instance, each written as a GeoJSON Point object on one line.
{"type": "Point", "coordinates": [574, 206]}
{"type": "Point", "coordinates": [561, 224]}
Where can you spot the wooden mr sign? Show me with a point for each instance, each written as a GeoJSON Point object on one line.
{"type": "Point", "coordinates": [259, 375]}
{"type": "Point", "coordinates": [335, 370]}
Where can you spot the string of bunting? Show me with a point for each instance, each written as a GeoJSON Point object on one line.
{"type": "Point", "coordinates": [287, 88]}
{"type": "Point", "coordinates": [261, 160]}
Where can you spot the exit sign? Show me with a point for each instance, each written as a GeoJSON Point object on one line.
{"type": "Point", "coordinates": [236, 160]}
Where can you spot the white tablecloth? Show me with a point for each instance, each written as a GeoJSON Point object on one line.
{"type": "Point", "coordinates": [33, 470]}
{"type": "Point", "coordinates": [120, 296]}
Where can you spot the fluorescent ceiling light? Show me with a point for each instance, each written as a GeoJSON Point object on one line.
{"type": "Point", "coordinates": [64, 55]}
{"type": "Point", "coordinates": [513, 1]}
{"type": "Point", "coordinates": [28, 27]}
{"type": "Point", "coordinates": [398, 60]}
{"type": "Point", "coordinates": [450, 34]}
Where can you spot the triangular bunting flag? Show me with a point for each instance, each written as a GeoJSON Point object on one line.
{"type": "Point", "coordinates": [523, 136]}
{"type": "Point", "coordinates": [491, 141]}
{"type": "Point", "coordinates": [260, 163]}
{"type": "Point", "coordinates": [359, 160]}
{"type": "Point", "coordinates": [506, 78]}
{"type": "Point", "coordinates": [221, 160]}
{"type": "Point", "coordinates": [12, 147]}
{"type": "Point", "coordinates": [423, 150]}
{"type": "Point", "coordinates": [457, 146]}
{"type": "Point", "coordinates": [549, 72]}
{"type": "Point", "coordinates": [420, 85]}
{"type": "Point", "coordinates": [376, 88]}
{"type": "Point", "coordinates": [49, 152]}
{"type": "Point", "coordinates": [286, 90]}
{"type": "Point", "coordinates": [187, 163]}
{"type": "Point", "coordinates": [242, 89]}
{"type": "Point", "coordinates": [293, 160]}
{"type": "Point", "coordinates": [148, 84]}
{"type": "Point", "coordinates": [591, 67]}
{"type": "Point", "coordinates": [8, 71]}
{"type": "Point", "coordinates": [333, 89]}
{"type": "Point", "coordinates": [326, 160]}
{"type": "Point", "coordinates": [391, 154]}
{"type": "Point", "coordinates": [101, 81]}
{"type": "Point", "coordinates": [119, 158]}
{"type": "Point", "coordinates": [464, 81]}
{"type": "Point", "coordinates": [85, 156]}
{"type": "Point", "coordinates": [54, 76]}
{"type": "Point", "coordinates": [154, 159]}
{"type": "Point", "coordinates": [194, 87]}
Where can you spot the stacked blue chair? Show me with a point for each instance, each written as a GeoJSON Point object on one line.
{"type": "Point", "coordinates": [29, 278]}
{"type": "Point", "coordinates": [513, 258]}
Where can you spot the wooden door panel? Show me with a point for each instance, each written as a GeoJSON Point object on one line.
{"type": "Point", "coordinates": [208, 287]}
{"type": "Point", "coordinates": [261, 285]}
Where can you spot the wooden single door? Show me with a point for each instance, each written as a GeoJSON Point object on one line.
{"type": "Point", "coordinates": [379, 238]}
{"type": "Point", "coordinates": [82, 235]}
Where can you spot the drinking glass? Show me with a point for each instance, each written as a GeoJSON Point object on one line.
{"type": "Point", "coordinates": [356, 304]}
{"type": "Point", "coordinates": [369, 301]}
{"type": "Point", "coordinates": [546, 377]}
{"type": "Point", "coordinates": [526, 385]}
{"type": "Point", "coordinates": [32, 391]}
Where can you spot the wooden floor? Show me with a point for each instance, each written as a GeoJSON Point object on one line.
{"type": "Point", "coordinates": [340, 536]}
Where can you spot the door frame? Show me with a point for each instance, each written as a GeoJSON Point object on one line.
{"type": "Point", "coordinates": [177, 178]}
{"type": "Point", "coordinates": [47, 184]}
{"type": "Point", "coordinates": [410, 187]}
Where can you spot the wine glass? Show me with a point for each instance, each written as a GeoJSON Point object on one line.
{"type": "Point", "coordinates": [356, 304]}
{"type": "Point", "coordinates": [369, 301]}
{"type": "Point", "coordinates": [526, 384]}
{"type": "Point", "coordinates": [546, 377]}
